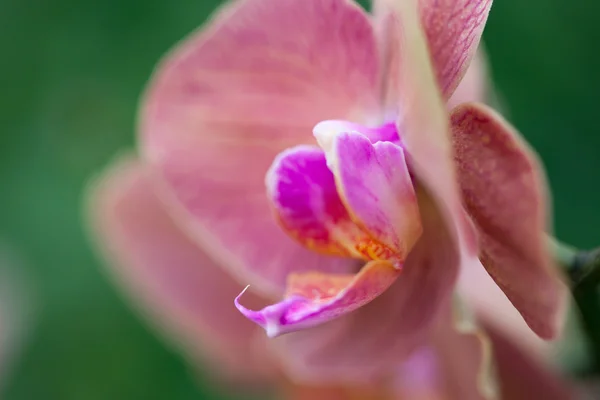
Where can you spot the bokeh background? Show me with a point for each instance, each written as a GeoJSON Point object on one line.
{"type": "Point", "coordinates": [71, 74]}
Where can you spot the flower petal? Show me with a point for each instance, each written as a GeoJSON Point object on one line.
{"type": "Point", "coordinates": [315, 298]}
{"type": "Point", "coordinates": [303, 192]}
{"type": "Point", "coordinates": [493, 308]}
{"type": "Point", "coordinates": [453, 29]}
{"type": "Point", "coordinates": [450, 368]}
{"type": "Point", "coordinates": [364, 346]}
{"type": "Point", "coordinates": [338, 392]}
{"type": "Point", "coordinates": [231, 97]}
{"type": "Point", "coordinates": [374, 183]}
{"type": "Point", "coordinates": [176, 285]}
{"type": "Point", "coordinates": [465, 356]}
{"type": "Point", "coordinates": [422, 120]}
{"type": "Point", "coordinates": [504, 193]}
{"type": "Point", "coordinates": [522, 377]}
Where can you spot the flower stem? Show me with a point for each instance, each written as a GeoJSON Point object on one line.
{"type": "Point", "coordinates": [583, 270]}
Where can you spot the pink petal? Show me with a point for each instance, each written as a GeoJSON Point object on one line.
{"type": "Point", "coordinates": [413, 95]}
{"type": "Point", "coordinates": [338, 392]}
{"type": "Point", "coordinates": [504, 192]}
{"type": "Point", "coordinates": [374, 183]}
{"type": "Point", "coordinates": [315, 298]}
{"type": "Point", "coordinates": [493, 308]}
{"type": "Point", "coordinates": [341, 392]}
{"type": "Point", "coordinates": [420, 377]}
{"type": "Point", "coordinates": [453, 29]}
{"type": "Point", "coordinates": [465, 357]}
{"type": "Point", "coordinates": [448, 370]}
{"type": "Point", "coordinates": [522, 377]}
{"type": "Point", "coordinates": [520, 356]}
{"type": "Point", "coordinates": [306, 202]}
{"type": "Point", "coordinates": [454, 363]}
{"type": "Point", "coordinates": [253, 82]}
{"type": "Point", "coordinates": [364, 346]}
{"type": "Point", "coordinates": [173, 282]}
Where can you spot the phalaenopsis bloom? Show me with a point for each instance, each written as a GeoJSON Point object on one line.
{"type": "Point", "coordinates": [306, 148]}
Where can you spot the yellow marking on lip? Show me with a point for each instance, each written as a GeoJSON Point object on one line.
{"type": "Point", "coordinates": [374, 250]}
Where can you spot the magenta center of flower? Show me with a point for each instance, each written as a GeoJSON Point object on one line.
{"type": "Point", "coordinates": [350, 196]}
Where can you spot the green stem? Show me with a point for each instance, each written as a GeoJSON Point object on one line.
{"type": "Point", "coordinates": [583, 269]}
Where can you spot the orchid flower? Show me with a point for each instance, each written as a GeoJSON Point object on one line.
{"type": "Point", "coordinates": [184, 294]}
{"type": "Point", "coordinates": [358, 230]}
{"type": "Point", "coordinates": [235, 104]}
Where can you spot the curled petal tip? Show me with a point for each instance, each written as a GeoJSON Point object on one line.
{"type": "Point", "coordinates": [271, 318]}
{"type": "Point", "coordinates": [251, 315]}
{"type": "Point", "coordinates": [315, 298]}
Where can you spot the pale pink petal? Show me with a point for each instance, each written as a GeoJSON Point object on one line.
{"type": "Point", "coordinates": [523, 377]}
{"type": "Point", "coordinates": [420, 376]}
{"type": "Point", "coordinates": [456, 366]}
{"type": "Point", "coordinates": [338, 392]}
{"type": "Point", "coordinates": [413, 95]}
{"type": "Point", "coordinates": [374, 183]}
{"type": "Point", "coordinates": [315, 298]}
{"type": "Point", "coordinates": [504, 192]}
{"type": "Point", "coordinates": [521, 357]}
{"type": "Point", "coordinates": [173, 282]}
{"type": "Point", "coordinates": [364, 346]}
{"type": "Point", "coordinates": [492, 307]}
{"type": "Point", "coordinates": [306, 202]}
{"type": "Point", "coordinates": [453, 29]}
{"type": "Point", "coordinates": [465, 356]}
{"type": "Point", "coordinates": [475, 85]}
{"type": "Point", "coordinates": [433, 374]}
{"type": "Point", "coordinates": [253, 82]}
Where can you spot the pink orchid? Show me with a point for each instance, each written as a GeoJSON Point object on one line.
{"type": "Point", "coordinates": [379, 210]}
{"type": "Point", "coordinates": [229, 106]}
{"type": "Point", "coordinates": [185, 294]}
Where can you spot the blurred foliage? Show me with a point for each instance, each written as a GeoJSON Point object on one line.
{"type": "Point", "coordinates": [71, 76]}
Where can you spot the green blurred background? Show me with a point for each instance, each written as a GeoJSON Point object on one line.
{"type": "Point", "coordinates": [72, 72]}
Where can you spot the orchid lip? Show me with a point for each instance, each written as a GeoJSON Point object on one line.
{"type": "Point", "coordinates": [271, 318]}
{"type": "Point", "coordinates": [352, 197]}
